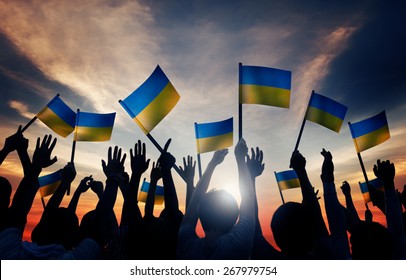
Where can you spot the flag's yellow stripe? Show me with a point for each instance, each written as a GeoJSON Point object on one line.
{"type": "Point", "coordinates": [215, 143]}
{"type": "Point", "coordinates": [323, 118]}
{"type": "Point", "coordinates": [142, 197]}
{"type": "Point", "coordinates": [289, 184]}
{"type": "Point", "coordinates": [49, 189]}
{"type": "Point", "coordinates": [148, 118]}
{"type": "Point", "coordinates": [254, 94]}
{"type": "Point", "coordinates": [367, 197]}
{"type": "Point", "coordinates": [93, 133]}
{"type": "Point", "coordinates": [372, 139]}
{"type": "Point", "coordinates": [54, 122]}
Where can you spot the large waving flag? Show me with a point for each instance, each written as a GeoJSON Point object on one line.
{"type": "Point", "coordinates": [58, 117]}
{"type": "Point", "coordinates": [326, 112]}
{"type": "Point", "coordinates": [264, 85]}
{"type": "Point", "coordinates": [370, 132]}
{"type": "Point", "coordinates": [375, 183]}
{"type": "Point", "coordinates": [287, 180]}
{"type": "Point", "coordinates": [159, 193]}
{"type": "Point", "coordinates": [93, 126]}
{"type": "Point", "coordinates": [49, 183]}
{"type": "Point", "coordinates": [214, 136]}
{"type": "Point", "coordinates": [152, 101]}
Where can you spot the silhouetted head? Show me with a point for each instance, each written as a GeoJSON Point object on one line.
{"type": "Point", "coordinates": [57, 226]}
{"type": "Point", "coordinates": [5, 193]}
{"type": "Point", "coordinates": [218, 210]}
{"type": "Point", "coordinates": [293, 229]}
{"type": "Point", "coordinates": [371, 241]}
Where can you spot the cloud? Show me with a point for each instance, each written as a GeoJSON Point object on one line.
{"type": "Point", "coordinates": [21, 108]}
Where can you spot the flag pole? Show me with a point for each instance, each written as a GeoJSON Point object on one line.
{"type": "Point", "coordinates": [72, 156]}
{"type": "Point", "coordinates": [303, 125]}
{"type": "Point", "coordinates": [156, 144]}
{"type": "Point", "coordinates": [43, 202]}
{"type": "Point", "coordinates": [28, 124]}
{"type": "Point", "coordinates": [280, 192]}
{"type": "Point", "coordinates": [199, 163]}
{"type": "Point", "coordinates": [359, 156]}
{"type": "Point", "coordinates": [239, 101]}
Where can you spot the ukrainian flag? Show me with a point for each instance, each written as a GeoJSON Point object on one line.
{"type": "Point", "coordinates": [152, 101]}
{"type": "Point", "coordinates": [370, 132]}
{"type": "Point", "coordinates": [326, 112]}
{"type": "Point", "coordinates": [49, 183]}
{"type": "Point", "coordinates": [287, 180]}
{"type": "Point", "coordinates": [375, 183]}
{"type": "Point", "coordinates": [93, 126]}
{"type": "Point", "coordinates": [58, 117]}
{"type": "Point", "coordinates": [214, 136]}
{"type": "Point", "coordinates": [264, 85]}
{"type": "Point", "coordinates": [159, 193]}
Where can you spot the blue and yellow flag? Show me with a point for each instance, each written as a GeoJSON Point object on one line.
{"type": "Point", "coordinates": [93, 126]}
{"type": "Point", "coordinates": [375, 183]}
{"type": "Point", "coordinates": [370, 132]}
{"type": "Point", "coordinates": [152, 101]}
{"type": "Point", "coordinates": [264, 85]}
{"type": "Point", "coordinates": [58, 117]}
{"type": "Point", "coordinates": [287, 180]}
{"type": "Point", "coordinates": [159, 193]}
{"type": "Point", "coordinates": [326, 112]}
{"type": "Point", "coordinates": [49, 183]}
{"type": "Point", "coordinates": [214, 136]}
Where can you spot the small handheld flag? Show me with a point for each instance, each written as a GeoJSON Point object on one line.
{"type": "Point", "coordinates": [49, 183]}
{"type": "Point", "coordinates": [370, 132]}
{"type": "Point", "coordinates": [214, 135]}
{"type": "Point", "coordinates": [326, 112]}
{"type": "Point", "coordinates": [57, 116]}
{"type": "Point", "coordinates": [375, 183]}
{"type": "Point", "coordinates": [159, 193]}
{"type": "Point", "coordinates": [93, 126]}
{"type": "Point", "coordinates": [287, 180]}
{"type": "Point", "coordinates": [152, 101]}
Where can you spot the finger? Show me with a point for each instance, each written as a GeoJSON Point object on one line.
{"type": "Point", "coordinates": [184, 161]}
{"type": "Point", "coordinates": [115, 152]}
{"type": "Point", "coordinates": [144, 149]}
{"type": "Point", "coordinates": [131, 153]}
{"type": "Point", "coordinates": [123, 159]}
{"type": "Point", "coordinates": [147, 163]}
{"type": "Point", "coordinates": [55, 159]}
{"type": "Point", "coordinates": [258, 153]}
{"type": "Point", "coordinates": [119, 154]}
{"type": "Point", "coordinates": [52, 145]}
{"type": "Point", "coordinates": [37, 145]}
{"type": "Point", "coordinates": [19, 128]}
{"type": "Point", "coordinates": [103, 164]}
{"type": "Point", "coordinates": [109, 154]}
{"type": "Point", "coordinates": [167, 144]}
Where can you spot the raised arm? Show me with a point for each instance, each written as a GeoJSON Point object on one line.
{"type": "Point", "coordinates": [68, 175]}
{"type": "Point", "coordinates": [171, 199]}
{"type": "Point", "coordinates": [84, 185]}
{"type": "Point", "coordinates": [346, 189]}
{"type": "Point", "coordinates": [25, 193]}
{"type": "Point", "coordinates": [335, 215]}
{"type": "Point", "coordinates": [156, 174]}
{"type": "Point", "coordinates": [191, 215]}
{"type": "Point", "coordinates": [298, 163]}
{"type": "Point", "coordinates": [385, 171]}
{"type": "Point", "coordinates": [139, 164]}
{"type": "Point", "coordinates": [188, 174]}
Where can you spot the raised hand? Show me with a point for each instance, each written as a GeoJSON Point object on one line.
{"type": "Point", "coordinates": [187, 172]}
{"type": "Point", "coordinates": [297, 161]}
{"type": "Point", "coordinates": [385, 171]}
{"type": "Point", "coordinates": [241, 150]}
{"type": "Point", "coordinates": [156, 172]}
{"type": "Point", "coordinates": [166, 159]}
{"type": "Point", "coordinates": [115, 164]}
{"type": "Point", "coordinates": [254, 163]}
{"type": "Point", "coordinates": [96, 187]}
{"type": "Point", "coordinates": [68, 173]}
{"type": "Point", "coordinates": [42, 154]}
{"type": "Point", "coordinates": [14, 141]}
{"type": "Point", "coordinates": [85, 184]}
{"type": "Point", "coordinates": [327, 170]}
{"type": "Point", "coordinates": [139, 163]}
{"type": "Point", "coordinates": [345, 188]}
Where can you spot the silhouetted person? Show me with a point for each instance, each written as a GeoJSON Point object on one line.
{"type": "Point", "coordinates": [218, 213]}
{"type": "Point", "coordinates": [5, 195]}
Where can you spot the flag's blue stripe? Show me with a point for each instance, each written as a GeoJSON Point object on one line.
{"type": "Point", "coordinates": [205, 130]}
{"type": "Point", "coordinates": [375, 183]}
{"type": "Point", "coordinates": [148, 91]}
{"type": "Point", "coordinates": [364, 187]}
{"type": "Point", "coordinates": [265, 76]}
{"type": "Point", "coordinates": [63, 111]}
{"type": "Point", "coordinates": [285, 175]}
{"type": "Point", "coordinates": [158, 191]}
{"type": "Point", "coordinates": [369, 125]}
{"type": "Point", "coordinates": [96, 120]}
{"type": "Point", "coordinates": [328, 105]}
{"type": "Point", "coordinates": [50, 178]}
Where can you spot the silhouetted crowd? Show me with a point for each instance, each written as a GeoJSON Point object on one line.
{"type": "Point", "coordinates": [231, 231]}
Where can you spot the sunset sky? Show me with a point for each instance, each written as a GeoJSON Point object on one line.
{"type": "Point", "coordinates": [95, 52]}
